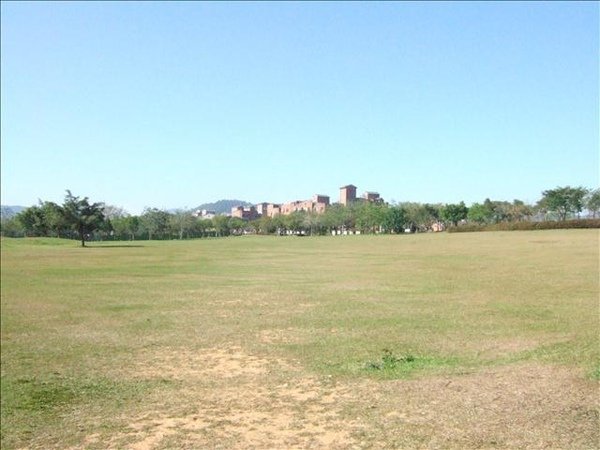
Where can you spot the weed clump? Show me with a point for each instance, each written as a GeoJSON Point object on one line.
{"type": "Point", "coordinates": [389, 361]}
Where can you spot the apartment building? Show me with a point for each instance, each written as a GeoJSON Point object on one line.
{"type": "Point", "coordinates": [262, 208]}
{"type": "Point", "coordinates": [273, 209]}
{"type": "Point", "coordinates": [372, 197]}
{"type": "Point", "coordinates": [317, 204]}
{"type": "Point", "coordinates": [347, 194]}
{"type": "Point", "coordinates": [249, 213]}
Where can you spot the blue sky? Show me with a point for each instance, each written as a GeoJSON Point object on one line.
{"type": "Point", "coordinates": [175, 104]}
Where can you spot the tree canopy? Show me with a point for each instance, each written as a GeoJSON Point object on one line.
{"type": "Point", "coordinates": [593, 202]}
{"type": "Point", "coordinates": [78, 218]}
{"type": "Point", "coordinates": [82, 216]}
{"type": "Point", "coordinates": [454, 213]}
{"type": "Point", "coordinates": [563, 201]}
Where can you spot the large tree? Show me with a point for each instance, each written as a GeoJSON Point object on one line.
{"type": "Point", "coordinates": [11, 227]}
{"type": "Point", "coordinates": [221, 225]}
{"type": "Point", "coordinates": [420, 216]}
{"type": "Point", "coordinates": [126, 227]}
{"type": "Point", "coordinates": [563, 201]}
{"type": "Point", "coordinates": [82, 216]}
{"type": "Point", "coordinates": [294, 221]}
{"type": "Point", "coordinates": [155, 222]}
{"type": "Point", "coordinates": [181, 222]}
{"type": "Point", "coordinates": [202, 226]}
{"type": "Point", "coordinates": [54, 217]}
{"type": "Point", "coordinates": [369, 216]}
{"type": "Point", "coordinates": [313, 223]}
{"type": "Point", "coordinates": [334, 216]}
{"type": "Point", "coordinates": [519, 210]}
{"type": "Point", "coordinates": [394, 219]}
{"type": "Point", "coordinates": [454, 213]}
{"type": "Point", "coordinates": [266, 225]}
{"type": "Point", "coordinates": [237, 225]}
{"type": "Point", "coordinates": [479, 213]}
{"type": "Point", "coordinates": [592, 203]}
{"type": "Point", "coordinates": [33, 222]}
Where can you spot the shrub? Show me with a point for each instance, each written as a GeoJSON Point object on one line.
{"type": "Point", "coordinates": [524, 226]}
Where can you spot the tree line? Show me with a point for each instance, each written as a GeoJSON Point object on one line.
{"type": "Point", "coordinates": [78, 218]}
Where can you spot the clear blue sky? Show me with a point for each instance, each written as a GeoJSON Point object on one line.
{"type": "Point", "coordinates": [175, 104]}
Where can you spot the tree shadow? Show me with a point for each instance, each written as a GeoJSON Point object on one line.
{"type": "Point", "coordinates": [115, 246]}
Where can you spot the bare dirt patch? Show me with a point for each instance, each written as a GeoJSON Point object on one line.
{"type": "Point", "coordinates": [185, 364]}
{"type": "Point", "coordinates": [237, 400]}
{"type": "Point", "coordinates": [282, 336]}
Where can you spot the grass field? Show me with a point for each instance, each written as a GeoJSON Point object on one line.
{"type": "Point", "coordinates": [474, 340]}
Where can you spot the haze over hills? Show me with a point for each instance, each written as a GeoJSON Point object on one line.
{"type": "Point", "coordinates": [7, 211]}
{"type": "Point", "coordinates": [220, 206]}
{"type": "Point", "coordinates": [223, 206]}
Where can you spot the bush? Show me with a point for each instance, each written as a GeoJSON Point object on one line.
{"type": "Point", "coordinates": [524, 226]}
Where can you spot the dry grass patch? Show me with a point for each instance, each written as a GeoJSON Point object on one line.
{"type": "Point", "coordinates": [266, 404]}
{"type": "Point", "coordinates": [525, 406]}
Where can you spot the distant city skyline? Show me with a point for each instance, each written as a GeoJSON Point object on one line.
{"type": "Point", "coordinates": [172, 105]}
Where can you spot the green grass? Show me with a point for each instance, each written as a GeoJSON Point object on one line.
{"type": "Point", "coordinates": [443, 303]}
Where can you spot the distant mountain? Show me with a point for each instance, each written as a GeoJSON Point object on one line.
{"type": "Point", "coordinates": [223, 206]}
{"type": "Point", "coordinates": [9, 211]}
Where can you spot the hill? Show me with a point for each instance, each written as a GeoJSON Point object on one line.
{"type": "Point", "coordinates": [223, 206]}
{"type": "Point", "coordinates": [9, 211]}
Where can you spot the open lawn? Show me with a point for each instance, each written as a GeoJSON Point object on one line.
{"type": "Point", "coordinates": [474, 340]}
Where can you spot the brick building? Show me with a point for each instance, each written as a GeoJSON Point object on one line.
{"type": "Point", "coordinates": [316, 204]}
{"type": "Point", "coordinates": [262, 208]}
{"type": "Point", "coordinates": [372, 197]}
{"type": "Point", "coordinates": [347, 194]}
{"type": "Point", "coordinates": [273, 209]}
{"type": "Point", "coordinates": [249, 213]}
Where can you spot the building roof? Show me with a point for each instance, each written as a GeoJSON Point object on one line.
{"type": "Point", "coordinates": [348, 186]}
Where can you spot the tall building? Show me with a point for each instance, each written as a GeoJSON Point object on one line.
{"type": "Point", "coordinates": [347, 194]}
